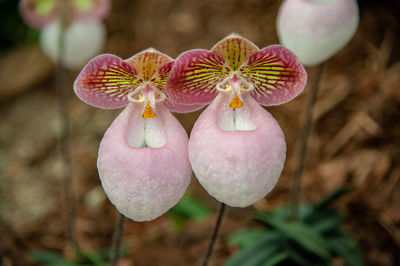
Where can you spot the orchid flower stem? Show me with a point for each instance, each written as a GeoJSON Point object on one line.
{"type": "Point", "coordinates": [116, 240]}
{"type": "Point", "coordinates": [302, 143]}
{"type": "Point", "coordinates": [214, 235]}
{"type": "Point", "coordinates": [64, 137]}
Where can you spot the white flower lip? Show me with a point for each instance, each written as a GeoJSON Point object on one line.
{"type": "Point", "coordinates": [83, 41]}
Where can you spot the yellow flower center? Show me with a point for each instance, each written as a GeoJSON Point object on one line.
{"type": "Point", "coordinates": [236, 102]}
{"type": "Point", "coordinates": [148, 111]}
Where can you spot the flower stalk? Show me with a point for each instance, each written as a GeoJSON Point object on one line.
{"type": "Point", "coordinates": [61, 76]}
{"type": "Point", "coordinates": [215, 234]}
{"type": "Point", "coordinates": [302, 143]}
{"type": "Point", "coordinates": [116, 240]}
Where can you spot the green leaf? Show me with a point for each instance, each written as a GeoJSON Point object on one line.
{"type": "Point", "coordinates": [105, 253]}
{"type": "Point", "coordinates": [262, 257]}
{"type": "Point", "coordinates": [247, 236]}
{"type": "Point", "coordinates": [331, 197]}
{"type": "Point", "coordinates": [283, 213]}
{"type": "Point", "coordinates": [48, 258]}
{"type": "Point", "coordinates": [266, 217]}
{"type": "Point", "coordinates": [94, 258]}
{"type": "Point", "coordinates": [324, 220]}
{"type": "Point", "coordinates": [346, 247]}
{"type": "Point", "coordinates": [330, 223]}
{"type": "Point", "coordinates": [298, 256]}
{"type": "Point", "coordinates": [191, 208]}
{"type": "Point", "coordinates": [308, 238]}
{"type": "Point", "coordinates": [277, 258]}
{"type": "Point", "coordinates": [267, 245]}
{"type": "Point", "coordinates": [280, 213]}
{"type": "Point", "coordinates": [304, 235]}
{"type": "Point", "coordinates": [179, 222]}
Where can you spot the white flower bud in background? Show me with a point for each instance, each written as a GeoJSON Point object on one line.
{"type": "Point", "coordinates": [84, 39]}
{"type": "Point", "coordinates": [316, 29]}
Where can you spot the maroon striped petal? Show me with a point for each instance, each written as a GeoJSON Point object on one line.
{"type": "Point", "coordinates": [152, 66]}
{"type": "Point", "coordinates": [235, 49]}
{"type": "Point", "coordinates": [105, 82]}
{"type": "Point", "coordinates": [162, 76]}
{"type": "Point", "coordinates": [276, 74]}
{"type": "Point", "coordinates": [193, 77]}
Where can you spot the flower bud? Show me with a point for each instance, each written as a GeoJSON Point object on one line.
{"type": "Point", "coordinates": [316, 29]}
{"type": "Point", "coordinates": [84, 39]}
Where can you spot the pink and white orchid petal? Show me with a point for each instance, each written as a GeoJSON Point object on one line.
{"type": "Point", "coordinates": [144, 183]}
{"type": "Point", "coordinates": [235, 49]}
{"type": "Point", "coordinates": [237, 162]}
{"type": "Point", "coordinates": [153, 66]}
{"type": "Point", "coordinates": [276, 74]}
{"type": "Point", "coordinates": [193, 77]}
{"type": "Point", "coordinates": [83, 41]}
{"type": "Point", "coordinates": [162, 76]}
{"type": "Point", "coordinates": [105, 82]}
{"type": "Point", "coordinates": [90, 9]}
{"type": "Point", "coordinates": [37, 13]}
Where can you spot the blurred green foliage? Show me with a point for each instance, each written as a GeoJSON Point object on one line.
{"type": "Point", "coordinates": [13, 31]}
{"type": "Point", "coordinates": [188, 208]}
{"type": "Point", "coordinates": [315, 239]}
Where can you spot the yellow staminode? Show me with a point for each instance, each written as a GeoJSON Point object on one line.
{"type": "Point", "coordinates": [236, 102]}
{"type": "Point", "coordinates": [148, 111]}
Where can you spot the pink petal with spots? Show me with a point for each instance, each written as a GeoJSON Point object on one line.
{"type": "Point", "coordinates": [276, 73]}
{"type": "Point", "coordinates": [38, 13]}
{"type": "Point", "coordinates": [105, 82]}
{"type": "Point", "coordinates": [235, 49]}
{"type": "Point", "coordinates": [193, 77]}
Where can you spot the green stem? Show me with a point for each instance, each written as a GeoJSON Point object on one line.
{"type": "Point", "coordinates": [302, 144]}
{"type": "Point", "coordinates": [61, 78]}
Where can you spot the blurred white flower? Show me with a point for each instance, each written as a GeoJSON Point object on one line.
{"type": "Point", "coordinates": [316, 29]}
{"type": "Point", "coordinates": [84, 39]}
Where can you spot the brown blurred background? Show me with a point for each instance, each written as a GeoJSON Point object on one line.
{"type": "Point", "coordinates": [355, 140]}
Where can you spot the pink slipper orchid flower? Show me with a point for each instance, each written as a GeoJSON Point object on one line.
{"type": "Point", "coordinates": [84, 32]}
{"type": "Point", "coordinates": [143, 159]}
{"type": "Point", "coordinates": [38, 13]}
{"type": "Point", "coordinates": [237, 149]}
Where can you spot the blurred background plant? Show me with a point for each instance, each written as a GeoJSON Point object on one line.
{"type": "Point", "coordinates": [317, 238]}
{"type": "Point", "coordinates": [71, 31]}
{"type": "Point", "coordinates": [13, 31]}
{"type": "Point", "coordinates": [188, 209]}
{"type": "Point", "coordinates": [355, 139]}
{"type": "Point", "coordinates": [317, 33]}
